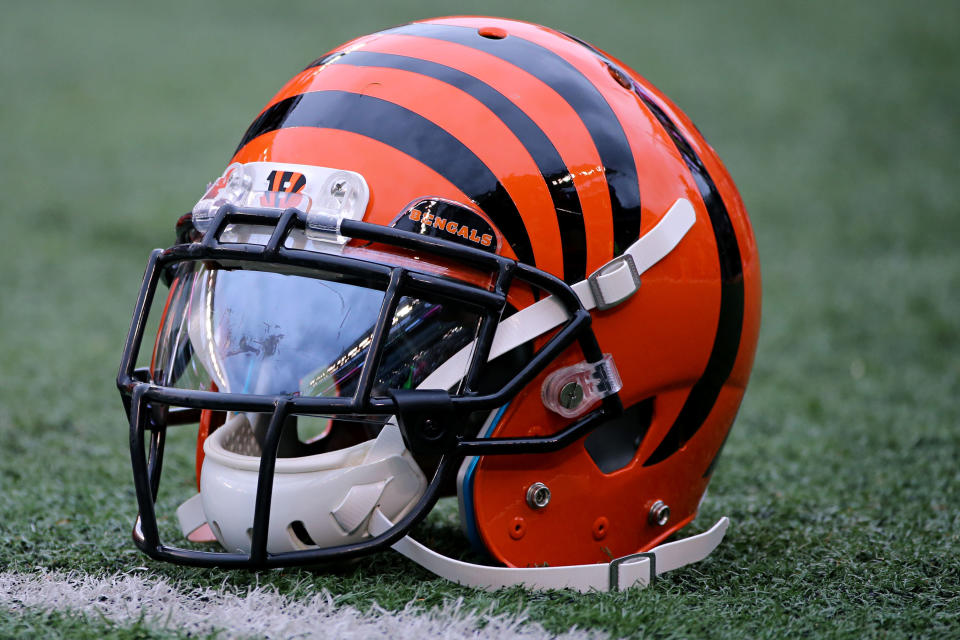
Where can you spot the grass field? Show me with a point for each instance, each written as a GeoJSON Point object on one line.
{"type": "Point", "coordinates": [838, 120]}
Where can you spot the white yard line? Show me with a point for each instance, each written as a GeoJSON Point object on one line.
{"type": "Point", "coordinates": [260, 612]}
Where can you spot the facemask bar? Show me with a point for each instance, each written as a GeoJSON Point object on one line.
{"type": "Point", "coordinates": [141, 398]}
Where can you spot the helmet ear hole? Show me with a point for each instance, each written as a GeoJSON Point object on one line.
{"type": "Point", "coordinates": [613, 445]}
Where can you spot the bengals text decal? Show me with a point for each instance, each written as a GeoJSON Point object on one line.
{"type": "Point", "coordinates": [448, 221]}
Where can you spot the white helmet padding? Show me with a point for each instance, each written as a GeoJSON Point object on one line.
{"type": "Point", "coordinates": [323, 500]}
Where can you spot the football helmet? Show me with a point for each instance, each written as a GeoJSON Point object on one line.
{"type": "Point", "coordinates": [466, 256]}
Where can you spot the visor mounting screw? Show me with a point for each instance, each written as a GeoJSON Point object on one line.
{"type": "Point", "coordinates": [538, 495]}
{"type": "Point", "coordinates": [571, 395]}
{"type": "Point", "coordinates": [659, 514]}
{"type": "Point", "coordinates": [430, 430]}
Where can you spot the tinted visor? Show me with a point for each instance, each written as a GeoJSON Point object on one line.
{"type": "Point", "coordinates": [266, 333]}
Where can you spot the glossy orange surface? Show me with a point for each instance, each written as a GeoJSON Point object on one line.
{"type": "Point", "coordinates": [685, 339]}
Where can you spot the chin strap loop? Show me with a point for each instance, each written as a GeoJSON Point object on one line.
{"type": "Point", "coordinates": [619, 279]}
{"type": "Point", "coordinates": [638, 569]}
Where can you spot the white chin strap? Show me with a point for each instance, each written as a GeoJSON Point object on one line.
{"type": "Point", "coordinates": [635, 570]}
{"type": "Point", "coordinates": [352, 494]}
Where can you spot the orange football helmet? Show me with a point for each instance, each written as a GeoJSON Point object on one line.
{"type": "Point", "coordinates": [466, 255]}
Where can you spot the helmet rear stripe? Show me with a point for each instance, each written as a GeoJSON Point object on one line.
{"type": "Point", "coordinates": [563, 193]}
{"type": "Point", "coordinates": [581, 94]}
{"type": "Point", "coordinates": [410, 133]}
{"type": "Point", "coordinates": [726, 343]}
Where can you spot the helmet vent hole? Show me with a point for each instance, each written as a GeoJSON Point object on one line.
{"type": "Point", "coordinates": [299, 531]}
{"type": "Point", "coordinates": [619, 76]}
{"type": "Point", "coordinates": [600, 527]}
{"type": "Point", "coordinates": [518, 528]}
{"type": "Point", "coordinates": [614, 443]}
{"type": "Point", "coordinates": [493, 33]}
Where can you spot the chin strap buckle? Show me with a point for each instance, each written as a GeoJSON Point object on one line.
{"type": "Point", "coordinates": [615, 568]}
{"type": "Point", "coordinates": [614, 282]}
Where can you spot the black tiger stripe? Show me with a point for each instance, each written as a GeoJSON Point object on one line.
{"type": "Point", "coordinates": [703, 396]}
{"type": "Point", "coordinates": [563, 193]}
{"type": "Point", "coordinates": [410, 133]}
{"type": "Point", "coordinates": [581, 94]}
{"type": "Point", "coordinates": [726, 343]}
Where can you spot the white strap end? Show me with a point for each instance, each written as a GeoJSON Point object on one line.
{"type": "Point", "coordinates": [657, 243]}
{"type": "Point", "coordinates": [190, 515]}
{"type": "Point", "coordinates": [674, 555]}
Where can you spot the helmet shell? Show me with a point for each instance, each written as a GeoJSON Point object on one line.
{"type": "Point", "coordinates": [571, 156]}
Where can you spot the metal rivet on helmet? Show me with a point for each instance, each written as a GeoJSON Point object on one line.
{"type": "Point", "coordinates": [538, 495]}
{"type": "Point", "coordinates": [659, 513]}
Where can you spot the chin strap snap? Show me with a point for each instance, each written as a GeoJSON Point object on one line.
{"type": "Point", "coordinates": [638, 569]}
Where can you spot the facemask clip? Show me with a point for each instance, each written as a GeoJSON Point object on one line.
{"type": "Point", "coordinates": [572, 390]}
{"type": "Point", "coordinates": [344, 194]}
{"type": "Point", "coordinates": [426, 419]}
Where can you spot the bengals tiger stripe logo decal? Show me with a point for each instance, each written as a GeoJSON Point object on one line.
{"type": "Point", "coordinates": [279, 184]}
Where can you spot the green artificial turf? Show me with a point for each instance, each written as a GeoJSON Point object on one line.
{"type": "Point", "coordinates": [839, 122]}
